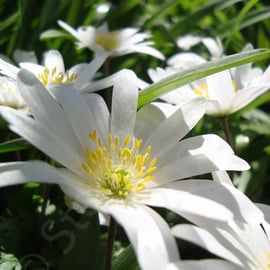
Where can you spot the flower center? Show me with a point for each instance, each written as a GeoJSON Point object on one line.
{"type": "Point", "coordinates": [118, 170]}
{"type": "Point", "coordinates": [201, 90]}
{"type": "Point", "coordinates": [53, 76]}
{"type": "Point", "coordinates": [108, 40]}
{"type": "Point", "coordinates": [7, 87]}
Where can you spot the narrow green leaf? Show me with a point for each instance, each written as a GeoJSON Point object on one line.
{"type": "Point", "coordinates": [250, 19]}
{"type": "Point", "coordinates": [125, 260]}
{"type": "Point", "coordinates": [14, 145]}
{"type": "Point", "coordinates": [9, 21]}
{"type": "Point", "coordinates": [162, 11]}
{"type": "Point", "coordinates": [239, 19]}
{"type": "Point", "coordinates": [188, 22]}
{"type": "Point", "coordinates": [181, 78]}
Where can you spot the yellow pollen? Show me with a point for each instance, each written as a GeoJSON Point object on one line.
{"type": "Point", "coordinates": [53, 76]}
{"type": "Point", "coordinates": [268, 265]}
{"type": "Point", "coordinates": [118, 169]}
{"type": "Point", "coordinates": [202, 90]}
{"type": "Point", "coordinates": [108, 40]}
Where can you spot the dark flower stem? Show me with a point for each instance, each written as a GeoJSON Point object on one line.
{"type": "Point", "coordinates": [228, 137]}
{"type": "Point", "coordinates": [110, 243]}
{"type": "Point", "coordinates": [226, 130]}
{"type": "Point", "coordinates": [107, 93]}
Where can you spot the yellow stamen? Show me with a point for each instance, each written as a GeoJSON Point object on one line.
{"type": "Point", "coordinates": [201, 90]}
{"type": "Point", "coordinates": [108, 40]}
{"type": "Point", "coordinates": [52, 76]}
{"type": "Point", "coordinates": [118, 170]}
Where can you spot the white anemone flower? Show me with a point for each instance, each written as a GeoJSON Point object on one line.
{"type": "Point", "coordinates": [244, 240]}
{"type": "Point", "coordinates": [112, 43]}
{"type": "Point", "coordinates": [227, 91]}
{"type": "Point", "coordinates": [214, 46]}
{"type": "Point", "coordinates": [53, 72]}
{"type": "Point", "coordinates": [9, 94]}
{"type": "Point", "coordinates": [118, 163]}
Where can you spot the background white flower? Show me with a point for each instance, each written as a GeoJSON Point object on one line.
{"type": "Point", "coordinates": [227, 91]}
{"type": "Point", "coordinates": [112, 43]}
{"type": "Point", "coordinates": [52, 71]}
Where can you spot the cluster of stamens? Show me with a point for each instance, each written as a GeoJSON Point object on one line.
{"type": "Point", "coordinates": [119, 169]}
{"type": "Point", "coordinates": [108, 40]}
{"type": "Point", "coordinates": [201, 90]}
{"type": "Point", "coordinates": [54, 76]}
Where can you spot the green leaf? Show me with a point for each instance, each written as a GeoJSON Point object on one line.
{"type": "Point", "coordinates": [250, 19]}
{"type": "Point", "coordinates": [125, 260]}
{"type": "Point", "coordinates": [14, 145]}
{"type": "Point", "coordinates": [85, 252]}
{"type": "Point", "coordinates": [9, 262]}
{"type": "Point", "coordinates": [188, 22]}
{"type": "Point", "coordinates": [53, 33]}
{"type": "Point", "coordinates": [186, 76]}
{"type": "Point", "coordinates": [239, 19]}
{"type": "Point", "coordinates": [161, 12]}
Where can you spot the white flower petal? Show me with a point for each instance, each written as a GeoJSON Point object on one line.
{"type": "Point", "coordinates": [149, 234]}
{"type": "Point", "coordinates": [68, 153]}
{"type": "Point", "coordinates": [187, 41]}
{"type": "Point", "coordinates": [124, 104]}
{"type": "Point", "coordinates": [222, 177]}
{"type": "Point", "coordinates": [25, 56]}
{"type": "Point", "coordinates": [8, 69]}
{"type": "Point", "coordinates": [214, 46]}
{"type": "Point", "coordinates": [148, 119]}
{"type": "Point", "coordinates": [186, 203]}
{"type": "Point", "coordinates": [220, 88]}
{"type": "Point", "coordinates": [43, 106]}
{"type": "Point", "coordinates": [195, 156]}
{"type": "Point", "coordinates": [176, 126]}
{"type": "Point", "coordinates": [80, 117]}
{"type": "Point", "coordinates": [148, 50]}
{"type": "Point", "coordinates": [185, 60]}
{"type": "Point", "coordinates": [86, 72]}
{"type": "Point", "coordinates": [100, 112]}
{"type": "Point", "coordinates": [54, 60]}
{"type": "Point", "coordinates": [265, 209]}
{"type": "Point", "coordinates": [205, 240]}
{"type": "Point", "coordinates": [34, 68]}
{"type": "Point", "coordinates": [247, 95]}
{"type": "Point", "coordinates": [226, 195]}
{"type": "Point", "coordinates": [14, 173]}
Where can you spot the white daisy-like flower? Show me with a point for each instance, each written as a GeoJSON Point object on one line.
{"type": "Point", "coordinates": [243, 241]}
{"type": "Point", "coordinates": [118, 163]}
{"type": "Point", "coordinates": [112, 43]}
{"type": "Point", "coordinates": [9, 94]}
{"type": "Point", "coordinates": [214, 46]}
{"type": "Point", "coordinates": [227, 91]}
{"type": "Point", "coordinates": [53, 72]}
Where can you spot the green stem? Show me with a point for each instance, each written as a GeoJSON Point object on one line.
{"type": "Point", "coordinates": [110, 243]}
